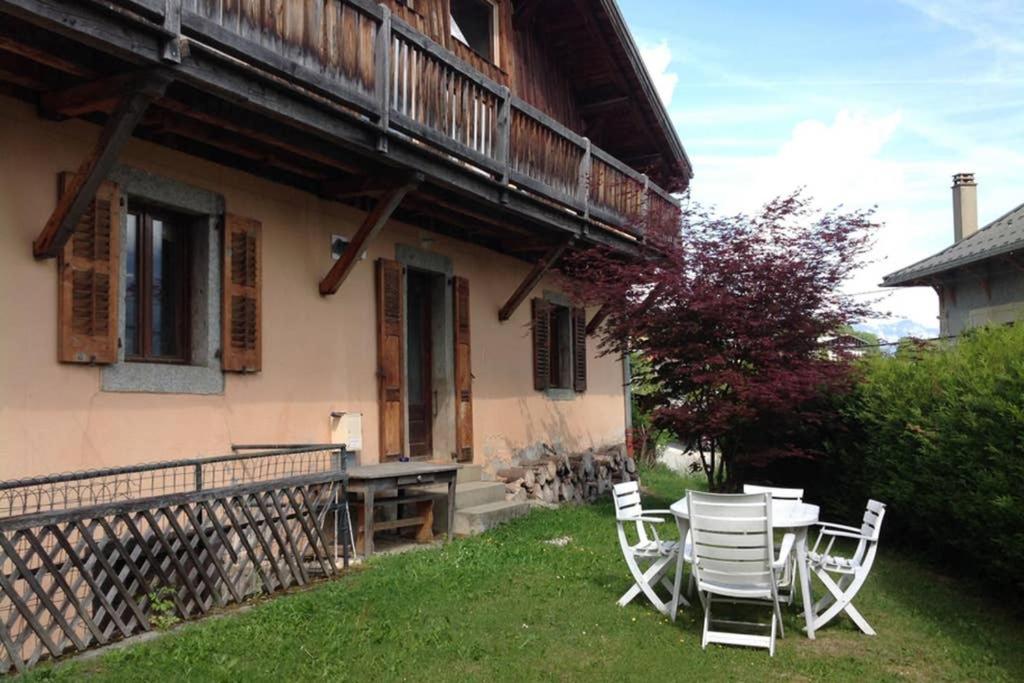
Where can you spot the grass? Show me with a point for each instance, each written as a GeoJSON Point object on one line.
{"type": "Point", "coordinates": [506, 606]}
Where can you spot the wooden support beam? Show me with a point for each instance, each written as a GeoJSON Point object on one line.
{"type": "Point", "coordinates": [87, 98]}
{"type": "Point", "coordinates": [82, 188]}
{"type": "Point", "coordinates": [372, 225]}
{"type": "Point", "coordinates": [532, 278]}
{"type": "Point", "coordinates": [360, 186]}
{"type": "Point", "coordinates": [14, 45]}
{"type": "Point", "coordinates": [599, 317]}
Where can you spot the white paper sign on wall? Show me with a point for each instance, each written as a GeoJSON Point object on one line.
{"type": "Point", "coordinates": [347, 428]}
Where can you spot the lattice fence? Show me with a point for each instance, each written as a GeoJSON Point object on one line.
{"type": "Point", "coordinates": [75, 578]}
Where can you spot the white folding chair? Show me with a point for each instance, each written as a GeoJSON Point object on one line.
{"type": "Point", "coordinates": [852, 571]}
{"type": "Point", "coordinates": [734, 560]}
{"type": "Point", "coordinates": [786, 581]}
{"type": "Point", "coordinates": [648, 559]}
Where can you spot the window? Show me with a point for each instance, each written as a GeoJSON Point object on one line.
{"type": "Point", "coordinates": [559, 348]}
{"type": "Point", "coordinates": [560, 375]}
{"type": "Point", "coordinates": [475, 23]}
{"type": "Point", "coordinates": [157, 277]}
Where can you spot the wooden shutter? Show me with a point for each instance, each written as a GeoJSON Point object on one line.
{"type": "Point", "coordinates": [390, 358]}
{"type": "Point", "coordinates": [241, 310]}
{"type": "Point", "coordinates": [88, 269]}
{"type": "Point", "coordinates": [463, 374]}
{"type": "Point", "coordinates": [579, 349]}
{"type": "Point", "coordinates": [541, 344]}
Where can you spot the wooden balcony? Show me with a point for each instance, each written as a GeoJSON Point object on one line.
{"type": "Point", "coordinates": [375, 74]}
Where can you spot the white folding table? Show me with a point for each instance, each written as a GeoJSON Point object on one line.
{"type": "Point", "coordinates": [787, 516]}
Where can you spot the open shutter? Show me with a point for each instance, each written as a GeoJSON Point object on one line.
{"type": "Point", "coordinates": [579, 349]}
{"type": "Point", "coordinates": [88, 268]}
{"type": "Point", "coordinates": [390, 358]}
{"type": "Point", "coordinates": [541, 344]}
{"type": "Point", "coordinates": [463, 374]}
{"type": "Point", "coordinates": [241, 312]}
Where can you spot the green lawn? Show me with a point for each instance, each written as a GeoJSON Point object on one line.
{"type": "Point", "coordinates": [506, 606]}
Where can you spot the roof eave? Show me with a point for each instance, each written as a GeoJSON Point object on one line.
{"type": "Point", "coordinates": [618, 22]}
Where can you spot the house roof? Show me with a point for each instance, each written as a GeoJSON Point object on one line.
{"type": "Point", "coordinates": [619, 105]}
{"type": "Point", "coordinates": [1000, 237]}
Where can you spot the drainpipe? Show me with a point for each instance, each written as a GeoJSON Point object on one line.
{"type": "Point", "coordinates": [627, 396]}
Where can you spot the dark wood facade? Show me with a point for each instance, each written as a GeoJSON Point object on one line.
{"type": "Point", "coordinates": [344, 98]}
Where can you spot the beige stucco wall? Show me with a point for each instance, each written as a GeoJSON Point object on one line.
{"type": "Point", "coordinates": [319, 353]}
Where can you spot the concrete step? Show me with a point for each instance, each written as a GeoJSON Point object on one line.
{"type": "Point", "coordinates": [467, 494]}
{"type": "Point", "coordinates": [470, 473]}
{"type": "Point", "coordinates": [479, 518]}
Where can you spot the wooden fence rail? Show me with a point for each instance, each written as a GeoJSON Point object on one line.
{"type": "Point", "coordinates": [75, 577]}
{"type": "Point", "coordinates": [376, 65]}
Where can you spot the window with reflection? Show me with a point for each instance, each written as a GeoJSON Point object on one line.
{"type": "Point", "coordinates": [157, 287]}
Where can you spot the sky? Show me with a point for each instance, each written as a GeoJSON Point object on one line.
{"type": "Point", "coordinates": [862, 102]}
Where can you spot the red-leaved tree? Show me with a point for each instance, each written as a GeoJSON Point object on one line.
{"type": "Point", "coordinates": [730, 319]}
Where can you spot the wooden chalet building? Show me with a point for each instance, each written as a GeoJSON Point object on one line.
{"type": "Point", "coordinates": [249, 220]}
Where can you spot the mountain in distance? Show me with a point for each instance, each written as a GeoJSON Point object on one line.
{"type": "Point", "coordinates": [891, 329]}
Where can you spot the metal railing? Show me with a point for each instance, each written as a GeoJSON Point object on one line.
{"type": "Point", "coordinates": [86, 488]}
{"type": "Point", "coordinates": [89, 556]}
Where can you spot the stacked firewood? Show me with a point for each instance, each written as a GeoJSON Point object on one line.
{"type": "Point", "coordinates": [560, 477]}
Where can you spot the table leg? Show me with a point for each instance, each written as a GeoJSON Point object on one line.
{"type": "Point", "coordinates": [684, 529]}
{"type": "Point", "coordinates": [451, 505]}
{"type": "Point", "coordinates": [805, 579]}
{"type": "Point", "coordinates": [368, 522]}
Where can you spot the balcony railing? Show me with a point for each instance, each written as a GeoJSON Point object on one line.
{"type": "Point", "coordinates": [380, 68]}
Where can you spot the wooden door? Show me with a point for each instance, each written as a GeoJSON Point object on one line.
{"type": "Point", "coordinates": [463, 373]}
{"type": "Point", "coordinates": [419, 376]}
{"type": "Point", "coordinates": [390, 358]}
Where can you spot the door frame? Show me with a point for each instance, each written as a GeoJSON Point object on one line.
{"type": "Point", "coordinates": [442, 351]}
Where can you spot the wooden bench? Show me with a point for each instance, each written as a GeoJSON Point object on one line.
{"type": "Point", "coordinates": [369, 480]}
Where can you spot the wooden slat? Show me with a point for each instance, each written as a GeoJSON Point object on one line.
{"type": "Point", "coordinates": [211, 552]}
{"type": "Point", "coordinates": [126, 596]}
{"type": "Point", "coordinates": [154, 563]}
{"type": "Point", "coordinates": [175, 562]}
{"type": "Point", "coordinates": [249, 549]}
{"type": "Point", "coordinates": [313, 537]}
{"type": "Point", "coordinates": [289, 536]}
{"type": "Point", "coordinates": [29, 577]}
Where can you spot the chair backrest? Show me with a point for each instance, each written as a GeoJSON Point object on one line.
{"type": "Point", "coordinates": [777, 492]}
{"type": "Point", "coordinates": [732, 537]}
{"type": "Point", "coordinates": [626, 497]}
{"type": "Point", "coordinates": [871, 527]}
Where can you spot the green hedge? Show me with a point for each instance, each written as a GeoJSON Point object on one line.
{"type": "Point", "coordinates": [938, 435]}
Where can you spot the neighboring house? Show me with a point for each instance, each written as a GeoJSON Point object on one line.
{"type": "Point", "coordinates": [275, 216]}
{"type": "Point", "coordinates": [980, 278]}
{"type": "Point", "coordinates": [850, 343]}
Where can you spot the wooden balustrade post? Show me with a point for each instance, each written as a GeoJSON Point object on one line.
{"type": "Point", "coordinates": [505, 133]}
{"type": "Point", "coordinates": [583, 182]}
{"type": "Point", "coordinates": [171, 49]}
{"type": "Point", "coordinates": [645, 205]}
{"type": "Point", "coordinates": [382, 63]}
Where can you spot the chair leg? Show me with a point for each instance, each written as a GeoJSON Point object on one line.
{"type": "Point", "coordinates": [826, 601]}
{"type": "Point", "coordinates": [645, 580]}
{"type": "Point", "coordinates": [843, 600]}
{"type": "Point", "coordinates": [706, 599]}
{"type": "Point", "coordinates": [778, 617]}
{"type": "Point", "coordinates": [771, 645]}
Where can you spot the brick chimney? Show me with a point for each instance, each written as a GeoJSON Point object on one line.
{"type": "Point", "coordinates": [965, 206]}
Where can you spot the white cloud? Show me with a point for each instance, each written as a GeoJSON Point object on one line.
{"type": "Point", "coordinates": [842, 162]}
{"type": "Point", "coordinates": [995, 24]}
{"type": "Point", "coordinates": [658, 58]}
